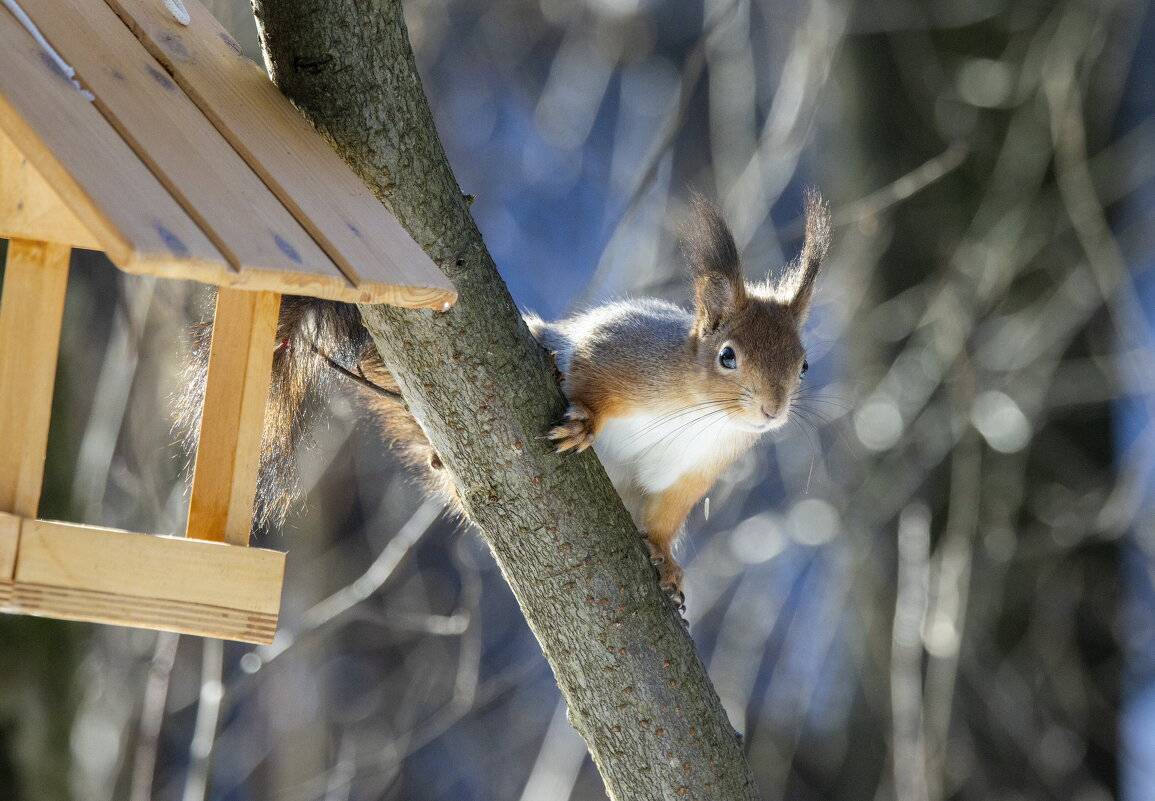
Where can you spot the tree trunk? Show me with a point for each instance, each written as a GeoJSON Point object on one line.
{"type": "Point", "coordinates": [486, 393]}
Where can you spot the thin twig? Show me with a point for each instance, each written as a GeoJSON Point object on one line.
{"type": "Point", "coordinates": [205, 729]}
{"type": "Point", "coordinates": [352, 594]}
{"type": "Point", "coordinates": [906, 654]}
{"type": "Point", "coordinates": [152, 715]}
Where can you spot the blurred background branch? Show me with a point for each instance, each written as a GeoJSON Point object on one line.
{"type": "Point", "coordinates": [936, 583]}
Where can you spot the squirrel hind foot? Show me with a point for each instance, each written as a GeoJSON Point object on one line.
{"type": "Point", "coordinates": [670, 574]}
{"type": "Point", "coordinates": [575, 431]}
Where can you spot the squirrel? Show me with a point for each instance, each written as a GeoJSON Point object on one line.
{"type": "Point", "coordinates": [667, 397]}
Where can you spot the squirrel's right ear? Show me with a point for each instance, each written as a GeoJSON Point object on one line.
{"type": "Point", "coordinates": [719, 288]}
{"type": "Point", "coordinates": [805, 272]}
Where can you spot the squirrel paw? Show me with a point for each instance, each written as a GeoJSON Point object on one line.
{"type": "Point", "coordinates": [677, 598]}
{"type": "Point", "coordinates": [574, 431]}
{"type": "Point", "coordinates": [670, 575]}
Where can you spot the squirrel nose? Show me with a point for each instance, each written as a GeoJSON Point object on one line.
{"type": "Point", "coordinates": [768, 413]}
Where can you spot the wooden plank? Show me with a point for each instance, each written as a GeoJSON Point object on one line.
{"type": "Point", "coordinates": [204, 620]}
{"type": "Point", "coordinates": [128, 579]}
{"type": "Point", "coordinates": [236, 388]}
{"type": "Point", "coordinates": [198, 167]}
{"type": "Point", "coordinates": [9, 541]}
{"type": "Point", "coordinates": [31, 310]}
{"type": "Point", "coordinates": [112, 561]}
{"type": "Point", "coordinates": [361, 236]}
{"type": "Point", "coordinates": [92, 170]}
{"type": "Point", "coordinates": [30, 208]}
{"type": "Point", "coordinates": [9, 545]}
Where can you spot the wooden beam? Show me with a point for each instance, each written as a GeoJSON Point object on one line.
{"type": "Point", "coordinates": [9, 540]}
{"type": "Point", "coordinates": [30, 208]}
{"type": "Point", "coordinates": [236, 388]}
{"type": "Point", "coordinates": [128, 579]}
{"type": "Point", "coordinates": [9, 543]}
{"type": "Point", "coordinates": [31, 310]}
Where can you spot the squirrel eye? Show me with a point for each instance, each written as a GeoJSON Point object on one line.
{"type": "Point", "coordinates": [805, 367]}
{"type": "Point", "coordinates": [727, 358]}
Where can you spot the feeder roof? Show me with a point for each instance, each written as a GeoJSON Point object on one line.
{"type": "Point", "coordinates": [158, 142]}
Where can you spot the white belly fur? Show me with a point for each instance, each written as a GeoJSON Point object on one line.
{"type": "Point", "coordinates": [648, 452]}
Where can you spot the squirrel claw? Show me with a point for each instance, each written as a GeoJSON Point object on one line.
{"type": "Point", "coordinates": [676, 596]}
{"type": "Point", "coordinates": [574, 431]}
{"type": "Point", "coordinates": [669, 574]}
{"type": "Point", "coordinates": [677, 600]}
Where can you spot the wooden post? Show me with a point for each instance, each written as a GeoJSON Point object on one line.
{"type": "Point", "coordinates": [31, 310]}
{"type": "Point", "coordinates": [236, 388]}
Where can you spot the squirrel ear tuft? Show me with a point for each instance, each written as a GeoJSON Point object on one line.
{"type": "Point", "coordinates": [803, 274]}
{"type": "Point", "coordinates": [719, 288]}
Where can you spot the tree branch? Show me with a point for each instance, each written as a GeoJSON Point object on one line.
{"type": "Point", "coordinates": [485, 392]}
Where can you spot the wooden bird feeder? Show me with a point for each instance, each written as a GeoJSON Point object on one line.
{"type": "Point", "coordinates": [126, 129]}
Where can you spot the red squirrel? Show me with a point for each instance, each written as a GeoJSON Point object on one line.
{"type": "Point", "coordinates": [667, 397]}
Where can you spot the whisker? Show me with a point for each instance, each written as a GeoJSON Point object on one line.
{"type": "Point", "coordinates": [716, 402]}
{"type": "Point", "coordinates": [807, 429]}
{"type": "Point", "coordinates": [667, 419]}
{"type": "Point", "coordinates": [839, 407]}
{"type": "Point", "coordinates": [707, 429]}
{"type": "Point", "coordinates": [812, 414]}
{"type": "Point", "coordinates": [723, 414]}
{"type": "Point", "coordinates": [810, 428]}
{"type": "Point", "coordinates": [803, 393]}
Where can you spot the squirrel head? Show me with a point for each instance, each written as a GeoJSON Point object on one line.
{"type": "Point", "coordinates": [746, 337]}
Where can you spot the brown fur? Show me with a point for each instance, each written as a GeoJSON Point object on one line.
{"type": "Point", "coordinates": [619, 360]}
{"type": "Point", "coordinates": [648, 358]}
{"type": "Point", "coordinates": [663, 516]}
{"type": "Point", "coordinates": [300, 380]}
{"type": "Point", "coordinates": [405, 435]}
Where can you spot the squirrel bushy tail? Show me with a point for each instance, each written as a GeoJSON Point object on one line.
{"type": "Point", "coordinates": [317, 342]}
{"type": "Point", "coordinates": [320, 343]}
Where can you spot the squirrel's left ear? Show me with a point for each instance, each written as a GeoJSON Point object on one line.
{"type": "Point", "coordinates": [804, 273]}
{"type": "Point", "coordinates": [719, 288]}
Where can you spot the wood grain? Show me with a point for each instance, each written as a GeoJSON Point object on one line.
{"type": "Point", "coordinates": [90, 168]}
{"type": "Point", "coordinates": [30, 208]}
{"type": "Point", "coordinates": [9, 541]}
{"type": "Point", "coordinates": [297, 164]}
{"type": "Point", "coordinates": [124, 578]}
{"type": "Point", "coordinates": [31, 310]}
{"type": "Point", "coordinates": [198, 167]}
{"type": "Point", "coordinates": [205, 620]}
{"type": "Point", "coordinates": [237, 385]}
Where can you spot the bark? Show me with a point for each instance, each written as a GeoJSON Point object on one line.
{"type": "Point", "coordinates": [485, 392]}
